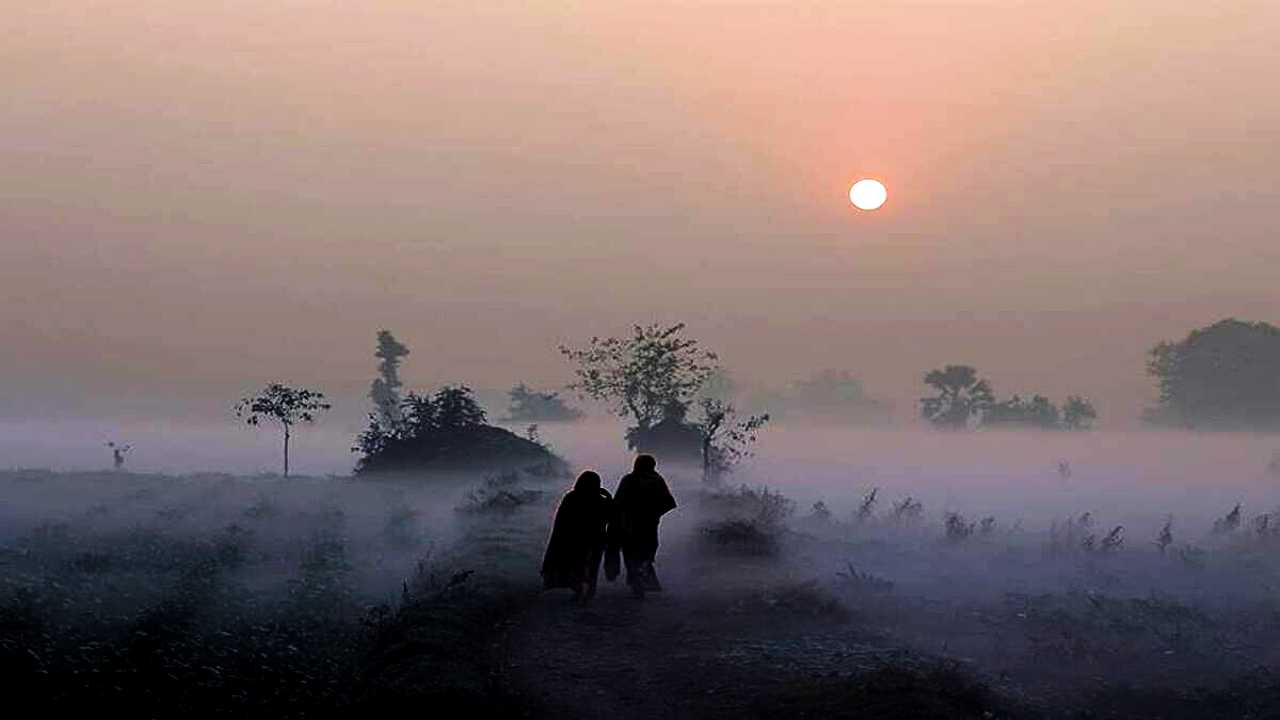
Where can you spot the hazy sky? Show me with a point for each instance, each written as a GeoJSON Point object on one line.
{"type": "Point", "coordinates": [222, 193]}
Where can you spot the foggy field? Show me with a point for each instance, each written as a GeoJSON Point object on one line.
{"type": "Point", "coordinates": [951, 327]}
{"type": "Point", "coordinates": [315, 595]}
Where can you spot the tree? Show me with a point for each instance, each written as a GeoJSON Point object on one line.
{"type": "Point", "coordinates": [961, 396]}
{"type": "Point", "coordinates": [285, 405]}
{"type": "Point", "coordinates": [1078, 413]}
{"type": "Point", "coordinates": [1038, 412]}
{"type": "Point", "coordinates": [385, 389]}
{"type": "Point", "coordinates": [726, 441]}
{"type": "Point", "coordinates": [529, 405]}
{"type": "Point", "coordinates": [646, 376]}
{"type": "Point", "coordinates": [1225, 376]}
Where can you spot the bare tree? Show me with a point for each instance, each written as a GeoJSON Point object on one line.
{"type": "Point", "coordinates": [286, 405]}
{"type": "Point", "coordinates": [726, 441]}
{"type": "Point", "coordinates": [118, 451]}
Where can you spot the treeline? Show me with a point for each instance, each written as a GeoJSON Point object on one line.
{"type": "Point", "coordinates": [679, 400]}
{"type": "Point", "coordinates": [964, 400]}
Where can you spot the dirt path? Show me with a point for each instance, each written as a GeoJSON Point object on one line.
{"type": "Point", "coordinates": [692, 651]}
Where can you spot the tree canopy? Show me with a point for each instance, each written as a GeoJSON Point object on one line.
{"type": "Point", "coordinates": [645, 375]}
{"type": "Point", "coordinates": [963, 400]}
{"type": "Point", "coordinates": [961, 395]}
{"type": "Point", "coordinates": [1036, 412]}
{"type": "Point", "coordinates": [1223, 376]}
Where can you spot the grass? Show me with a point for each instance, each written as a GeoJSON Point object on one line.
{"type": "Point", "coordinates": [152, 602]}
{"type": "Point", "coordinates": [932, 691]}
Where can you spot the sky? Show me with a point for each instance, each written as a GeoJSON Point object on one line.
{"type": "Point", "coordinates": [204, 195]}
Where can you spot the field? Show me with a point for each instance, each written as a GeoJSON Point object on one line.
{"type": "Point", "coordinates": [211, 594]}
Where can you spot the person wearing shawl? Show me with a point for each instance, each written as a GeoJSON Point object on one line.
{"type": "Point", "coordinates": [640, 502]}
{"type": "Point", "coordinates": [578, 538]}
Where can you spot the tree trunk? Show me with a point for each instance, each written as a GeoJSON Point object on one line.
{"type": "Point", "coordinates": [286, 451]}
{"type": "Point", "coordinates": [706, 461]}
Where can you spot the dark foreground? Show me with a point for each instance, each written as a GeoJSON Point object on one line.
{"type": "Point", "coordinates": [178, 612]}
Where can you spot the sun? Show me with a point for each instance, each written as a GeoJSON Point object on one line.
{"type": "Point", "coordinates": [868, 194]}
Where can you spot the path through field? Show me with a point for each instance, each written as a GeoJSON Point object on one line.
{"type": "Point", "coordinates": [700, 649]}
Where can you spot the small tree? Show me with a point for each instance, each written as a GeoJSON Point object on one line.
{"type": "Point", "coordinates": [644, 375]}
{"type": "Point", "coordinates": [725, 440]}
{"type": "Point", "coordinates": [1078, 413]}
{"type": "Point", "coordinates": [961, 395]}
{"type": "Point", "coordinates": [118, 451]}
{"type": "Point", "coordinates": [385, 389]}
{"type": "Point", "coordinates": [286, 405]}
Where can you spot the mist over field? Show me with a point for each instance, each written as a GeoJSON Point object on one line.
{"type": "Point", "coordinates": [312, 312]}
{"type": "Point", "coordinates": [981, 572]}
{"type": "Point", "coordinates": [1136, 476]}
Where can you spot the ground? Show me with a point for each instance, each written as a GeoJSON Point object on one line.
{"type": "Point", "coordinates": [257, 597]}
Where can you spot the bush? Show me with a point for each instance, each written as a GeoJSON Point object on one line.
{"type": "Point", "coordinates": [747, 520]}
{"type": "Point", "coordinates": [446, 431]}
{"type": "Point", "coordinates": [957, 529]}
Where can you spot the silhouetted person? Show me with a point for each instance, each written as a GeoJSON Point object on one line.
{"type": "Point", "coordinates": [578, 538]}
{"type": "Point", "coordinates": [640, 502]}
{"type": "Point", "coordinates": [1064, 469]}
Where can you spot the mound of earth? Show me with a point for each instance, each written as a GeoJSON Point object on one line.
{"type": "Point", "coordinates": [470, 448]}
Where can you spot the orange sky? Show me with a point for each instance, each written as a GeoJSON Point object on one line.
{"type": "Point", "coordinates": [222, 192]}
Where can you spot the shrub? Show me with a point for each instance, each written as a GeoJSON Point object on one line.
{"type": "Point", "coordinates": [1165, 538]}
{"type": "Point", "coordinates": [957, 530]}
{"type": "Point", "coordinates": [907, 510]}
{"type": "Point", "coordinates": [749, 521]}
{"type": "Point", "coordinates": [866, 508]}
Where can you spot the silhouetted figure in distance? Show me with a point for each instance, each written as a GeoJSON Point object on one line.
{"type": "Point", "coordinates": [640, 502]}
{"type": "Point", "coordinates": [578, 538]}
{"type": "Point", "coordinates": [1064, 469]}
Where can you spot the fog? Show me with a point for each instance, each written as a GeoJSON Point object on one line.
{"type": "Point", "coordinates": [1034, 596]}
{"type": "Point", "coordinates": [1135, 478]}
